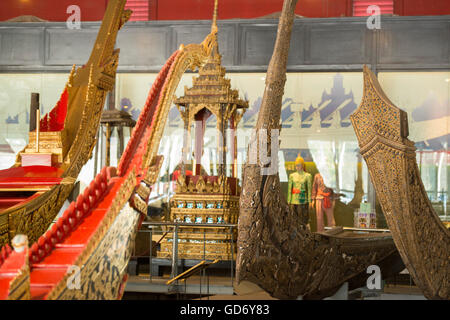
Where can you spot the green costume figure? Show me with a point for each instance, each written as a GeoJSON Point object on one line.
{"type": "Point", "coordinates": [299, 190]}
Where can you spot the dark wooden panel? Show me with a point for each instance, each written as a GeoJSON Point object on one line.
{"type": "Point", "coordinates": [196, 34]}
{"type": "Point", "coordinates": [20, 46]}
{"type": "Point", "coordinates": [68, 47]}
{"type": "Point", "coordinates": [298, 45]}
{"type": "Point", "coordinates": [142, 47]}
{"type": "Point", "coordinates": [403, 43]}
{"type": "Point", "coordinates": [424, 43]}
{"type": "Point", "coordinates": [337, 44]}
{"type": "Point", "coordinates": [257, 43]}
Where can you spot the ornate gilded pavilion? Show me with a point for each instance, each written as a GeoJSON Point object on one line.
{"type": "Point", "coordinates": [202, 198]}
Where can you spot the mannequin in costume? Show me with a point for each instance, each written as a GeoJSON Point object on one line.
{"type": "Point", "coordinates": [323, 199]}
{"type": "Point", "coordinates": [299, 190]}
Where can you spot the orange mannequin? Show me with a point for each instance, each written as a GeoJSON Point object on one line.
{"type": "Point", "coordinates": [323, 199]}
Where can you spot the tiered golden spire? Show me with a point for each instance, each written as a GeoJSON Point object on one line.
{"type": "Point", "coordinates": [214, 21]}
{"type": "Point", "coordinates": [211, 87]}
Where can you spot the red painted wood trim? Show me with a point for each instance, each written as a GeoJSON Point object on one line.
{"type": "Point", "coordinates": [11, 263]}
{"type": "Point", "coordinates": [145, 120]}
{"type": "Point", "coordinates": [349, 8]}
{"type": "Point", "coordinates": [153, 9]}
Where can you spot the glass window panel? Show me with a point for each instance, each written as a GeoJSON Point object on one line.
{"type": "Point", "coordinates": [425, 96]}
{"type": "Point", "coordinates": [15, 96]}
{"type": "Point", "coordinates": [315, 123]}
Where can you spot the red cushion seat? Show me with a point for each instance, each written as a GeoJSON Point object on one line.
{"type": "Point", "coordinates": [30, 177]}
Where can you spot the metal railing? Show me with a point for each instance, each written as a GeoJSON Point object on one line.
{"type": "Point", "coordinates": [149, 226]}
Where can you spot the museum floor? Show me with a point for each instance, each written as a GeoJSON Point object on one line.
{"type": "Point", "coordinates": [220, 288]}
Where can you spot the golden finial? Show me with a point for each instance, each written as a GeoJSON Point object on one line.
{"type": "Point", "coordinates": [214, 22]}
{"type": "Point", "coordinates": [91, 73]}
{"type": "Point", "coordinates": [90, 84]}
{"type": "Point", "coordinates": [71, 76]}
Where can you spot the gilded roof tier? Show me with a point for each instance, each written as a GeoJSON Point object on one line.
{"type": "Point", "coordinates": [211, 86]}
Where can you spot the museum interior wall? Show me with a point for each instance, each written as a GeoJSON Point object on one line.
{"type": "Point", "coordinates": [55, 10]}
{"type": "Point", "coordinates": [324, 86]}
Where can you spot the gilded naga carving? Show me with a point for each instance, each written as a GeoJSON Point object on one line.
{"type": "Point", "coordinates": [96, 233]}
{"type": "Point", "coordinates": [68, 132]}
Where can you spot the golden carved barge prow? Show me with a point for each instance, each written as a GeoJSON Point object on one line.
{"type": "Point", "coordinates": [96, 233]}
{"type": "Point", "coordinates": [33, 191]}
{"type": "Point", "coordinates": [276, 250]}
{"type": "Point", "coordinates": [421, 238]}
